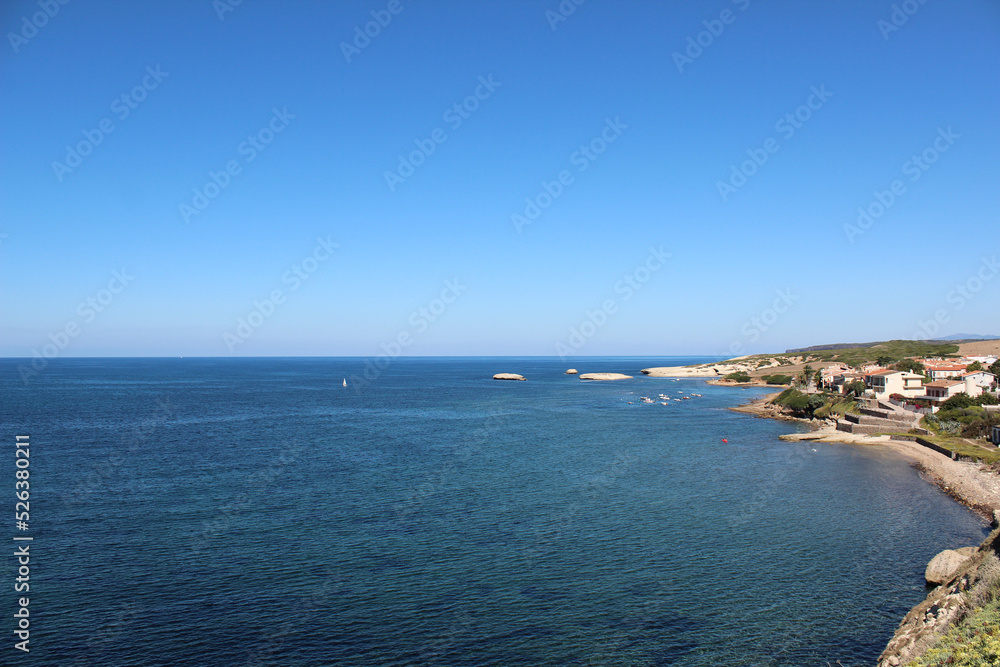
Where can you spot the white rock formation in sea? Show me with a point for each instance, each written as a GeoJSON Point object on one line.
{"type": "Point", "coordinates": [508, 376]}
{"type": "Point", "coordinates": [604, 376]}
{"type": "Point", "coordinates": [571, 371]}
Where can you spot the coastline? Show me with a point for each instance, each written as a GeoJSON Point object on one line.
{"type": "Point", "coordinates": [965, 482]}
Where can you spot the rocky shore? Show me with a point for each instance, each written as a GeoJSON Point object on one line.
{"type": "Point", "coordinates": [968, 576]}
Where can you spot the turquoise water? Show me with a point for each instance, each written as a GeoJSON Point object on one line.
{"type": "Point", "coordinates": [252, 512]}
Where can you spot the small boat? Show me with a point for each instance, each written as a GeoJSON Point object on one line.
{"type": "Point", "coordinates": [345, 382]}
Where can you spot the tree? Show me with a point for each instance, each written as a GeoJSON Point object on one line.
{"type": "Point", "coordinates": [974, 366]}
{"type": "Point", "coordinates": [911, 365]}
{"type": "Point", "coordinates": [857, 387]}
{"type": "Point", "coordinates": [995, 368]}
{"type": "Point", "coordinates": [884, 361]}
{"type": "Point", "coordinates": [818, 378]}
{"type": "Point", "coordinates": [806, 374]}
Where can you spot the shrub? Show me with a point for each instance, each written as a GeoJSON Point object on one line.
{"type": "Point", "coordinates": [960, 400]}
{"type": "Point", "coordinates": [777, 378]}
{"type": "Point", "coordinates": [738, 376]}
{"type": "Point", "coordinates": [803, 405]}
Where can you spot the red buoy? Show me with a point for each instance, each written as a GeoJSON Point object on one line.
{"type": "Point", "coordinates": [724, 440]}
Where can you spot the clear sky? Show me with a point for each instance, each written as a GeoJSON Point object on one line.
{"type": "Point", "coordinates": [697, 170]}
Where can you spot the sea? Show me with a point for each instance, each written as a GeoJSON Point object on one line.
{"type": "Point", "coordinates": [201, 511]}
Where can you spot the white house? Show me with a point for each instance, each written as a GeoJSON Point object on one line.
{"type": "Point", "coordinates": [982, 379]}
{"type": "Point", "coordinates": [944, 371]}
{"type": "Point", "coordinates": [942, 390]}
{"type": "Point", "coordinates": [985, 361]}
{"type": "Point", "coordinates": [830, 373]}
{"type": "Point", "coordinates": [887, 382]}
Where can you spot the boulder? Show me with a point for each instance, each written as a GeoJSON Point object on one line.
{"type": "Point", "coordinates": [508, 376]}
{"type": "Point", "coordinates": [944, 566]}
{"type": "Point", "coordinates": [604, 376]}
{"type": "Point", "coordinates": [571, 371]}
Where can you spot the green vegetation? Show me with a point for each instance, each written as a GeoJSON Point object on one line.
{"type": "Point", "coordinates": [893, 349]}
{"type": "Point", "coordinates": [738, 376]}
{"type": "Point", "coordinates": [801, 405]}
{"type": "Point", "coordinates": [778, 378]}
{"type": "Point", "coordinates": [855, 387]}
{"type": "Point", "coordinates": [995, 368]}
{"type": "Point", "coordinates": [864, 354]}
{"type": "Point", "coordinates": [816, 406]}
{"type": "Point", "coordinates": [974, 366]}
{"type": "Point", "coordinates": [963, 415]}
{"type": "Point", "coordinates": [836, 409]}
{"type": "Point", "coordinates": [973, 641]}
{"type": "Point", "coordinates": [911, 365]}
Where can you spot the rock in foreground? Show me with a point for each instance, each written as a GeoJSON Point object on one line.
{"type": "Point", "coordinates": [508, 376]}
{"type": "Point", "coordinates": [605, 376]}
{"type": "Point", "coordinates": [943, 566]}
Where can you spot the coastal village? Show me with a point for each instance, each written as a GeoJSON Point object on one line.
{"type": "Point", "coordinates": [937, 404]}
{"type": "Point", "coordinates": [942, 391]}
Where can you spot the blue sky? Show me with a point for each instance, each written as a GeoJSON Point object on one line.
{"type": "Point", "coordinates": [764, 265]}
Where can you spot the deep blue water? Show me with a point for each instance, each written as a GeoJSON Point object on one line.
{"type": "Point", "coordinates": [255, 512]}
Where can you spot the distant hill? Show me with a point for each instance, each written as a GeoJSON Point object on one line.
{"type": "Point", "coordinates": [862, 353]}
{"type": "Point", "coordinates": [832, 346]}
{"type": "Point", "coordinates": [968, 337]}
{"type": "Point", "coordinates": [846, 346]}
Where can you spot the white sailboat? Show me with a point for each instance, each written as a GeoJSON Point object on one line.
{"type": "Point", "coordinates": [345, 382]}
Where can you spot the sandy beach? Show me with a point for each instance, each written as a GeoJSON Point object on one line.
{"type": "Point", "coordinates": [972, 484]}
